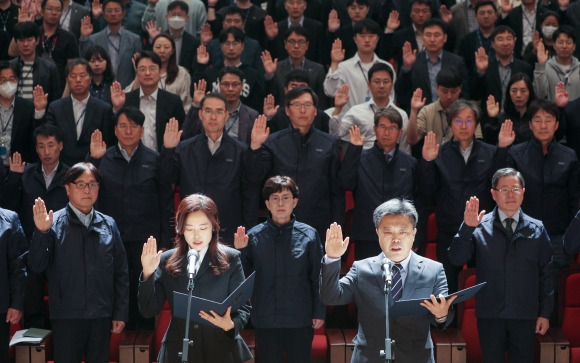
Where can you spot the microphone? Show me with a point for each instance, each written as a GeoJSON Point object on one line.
{"type": "Point", "coordinates": [192, 256]}
{"type": "Point", "coordinates": [387, 268]}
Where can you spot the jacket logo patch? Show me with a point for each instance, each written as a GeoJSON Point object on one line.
{"type": "Point", "coordinates": [145, 166]}
{"type": "Point", "coordinates": [318, 150]}
{"type": "Point", "coordinates": [561, 163]}
{"type": "Point", "coordinates": [230, 160]}
{"type": "Point", "coordinates": [402, 169]}
{"type": "Point", "coordinates": [481, 161]}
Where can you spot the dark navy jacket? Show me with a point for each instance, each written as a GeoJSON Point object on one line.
{"type": "Point", "coordinates": [518, 272]}
{"type": "Point", "coordinates": [86, 268]}
{"type": "Point", "coordinates": [374, 182]}
{"type": "Point", "coordinates": [287, 264]}
{"type": "Point", "coordinates": [551, 182]}
{"type": "Point", "coordinates": [12, 264]}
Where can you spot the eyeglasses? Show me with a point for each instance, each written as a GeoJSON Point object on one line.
{"type": "Point", "coordinates": [151, 69]}
{"type": "Point", "coordinates": [298, 106]}
{"type": "Point", "coordinates": [231, 44]}
{"type": "Point", "coordinates": [460, 122]}
{"type": "Point", "coordinates": [133, 127]}
{"type": "Point", "coordinates": [210, 113]}
{"type": "Point", "coordinates": [384, 128]}
{"type": "Point", "coordinates": [11, 79]}
{"type": "Point", "coordinates": [538, 121]}
{"type": "Point", "coordinates": [82, 186]}
{"type": "Point", "coordinates": [53, 10]}
{"type": "Point", "coordinates": [378, 82]}
{"type": "Point", "coordinates": [228, 84]}
{"type": "Point", "coordinates": [285, 199]}
{"type": "Point", "coordinates": [300, 42]}
{"type": "Point", "coordinates": [113, 11]}
{"type": "Point", "coordinates": [516, 190]}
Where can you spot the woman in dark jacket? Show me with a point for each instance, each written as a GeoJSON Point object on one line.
{"type": "Point", "coordinates": [219, 273]}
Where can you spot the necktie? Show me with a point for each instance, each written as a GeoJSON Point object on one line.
{"type": "Point", "coordinates": [388, 158]}
{"type": "Point", "coordinates": [397, 283]}
{"type": "Point", "coordinates": [508, 226]}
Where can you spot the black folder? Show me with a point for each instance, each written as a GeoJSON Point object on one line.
{"type": "Point", "coordinates": [236, 299]}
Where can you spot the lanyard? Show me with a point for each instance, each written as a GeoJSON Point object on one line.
{"type": "Point", "coordinates": [63, 17]}
{"type": "Point", "coordinates": [81, 116]}
{"type": "Point", "coordinates": [4, 127]}
{"type": "Point", "coordinates": [506, 77]}
{"type": "Point", "coordinates": [48, 48]}
{"type": "Point", "coordinates": [366, 79]}
{"type": "Point", "coordinates": [233, 122]}
{"type": "Point", "coordinates": [5, 17]}
{"type": "Point", "coordinates": [115, 48]}
{"type": "Point", "coordinates": [532, 25]}
{"type": "Point", "coordinates": [23, 78]}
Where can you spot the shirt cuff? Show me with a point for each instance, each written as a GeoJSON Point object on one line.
{"type": "Point", "coordinates": [328, 260]}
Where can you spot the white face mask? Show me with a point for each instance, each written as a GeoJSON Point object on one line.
{"type": "Point", "coordinates": [548, 31]}
{"type": "Point", "coordinates": [176, 22]}
{"type": "Point", "coordinates": [8, 89]}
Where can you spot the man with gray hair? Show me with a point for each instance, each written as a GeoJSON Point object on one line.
{"type": "Point", "coordinates": [510, 247]}
{"type": "Point", "coordinates": [413, 277]}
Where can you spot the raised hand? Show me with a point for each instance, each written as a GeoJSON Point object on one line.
{"type": "Point", "coordinates": [393, 21]}
{"type": "Point", "coordinates": [271, 27]}
{"type": "Point", "coordinates": [16, 163]}
{"type": "Point", "coordinates": [355, 138]}
{"type": "Point", "coordinates": [212, 3]}
{"type": "Point", "coordinates": [563, 4]}
{"type": "Point", "coordinates": [472, 216]}
{"type": "Point", "coordinates": [481, 60]}
{"type": "Point", "coordinates": [150, 257]}
{"type": "Point", "coordinates": [86, 26]}
{"type": "Point", "coordinates": [561, 96]}
{"type": "Point", "coordinates": [430, 147]}
{"type": "Point", "coordinates": [492, 106]}
{"type": "Point", "coordinates": [536, 40]}
{"type": "Point", "coordinates": [40, 99]}
{"type": "Point", "coordinates": [337, 52]}
{"type": "Point", "coordinates": [172, 134]}
{"type": "Point", "coordinates": [335, 246]}
{"type": "Point", "coordinates": [134, 61]}
{"type": "Point", "coordinates": [542, 53]}
{"type": "Point", "coordinates": [506, 135]}
{"type": "Point", "coordinates": [206, 35]}
{"type": "Point", "coordinates": [117, 96]}
{"type": "Point", "coordinates": [333, 21]}
{"type": "Point", "coordinates": [152, 29]}
{"type": "Point", "coordinates": [409, 55]}
{"type": "Point", "coordinates": [418, 101]}
{"type": "Point", "coordinates": [269, 65]}
{"type": "Point", "coordinates": [240, 238]}
{"type": "Point", "coordinates": [202, 55]}
{"type": "Point", "coordinates": [153, 2]}
{"type": "Point", "coordinates": [199, 91]}
{"type": "Point", "coordinates": [270, 108]}
{"type": "Point", "coordinates": [506, 6]}
{"type": "Point", "coordinates": [446, 14]}
{"type": "Point", "coordinates": [42, 219]}
{"type": "Point", "coordinates": [260, 132]}
{"type": "Point", "coordinates": [97, 148]}
{"type": "Point", "coordinates": [24, 14]}
{"type": "Point", "coordinates": [97, 9]}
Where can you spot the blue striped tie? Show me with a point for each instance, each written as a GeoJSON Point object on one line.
{"type": "Point", "coordinates": [397, 283]}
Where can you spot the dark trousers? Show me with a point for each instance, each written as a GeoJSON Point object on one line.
{"type": "Point", "coordinates": [4, 338]}
{"type": "Point", "coordinates": [296, 342]}
{"type": "Point", "coordinates": [516, 336]}
{"type": "Point", "coordinates": [136, 320]}
{"type": "Point", "coordinates": [74, 339]}
{"type": "Point", "coordinates": [366, 249]}
{"type": "Point", "coordinates": [34, 301]}
{"type": "Point", "coordinates": [451, 271]}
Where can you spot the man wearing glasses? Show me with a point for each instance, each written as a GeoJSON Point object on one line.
{"type": "Point", "coordinates": [552, 172]}
{"type": "Point", "coordinates": [307, 155]}
{"type": "Point", "coordinates": [157, 105]}
{"type": "Point", "coordinates": [215, 164]}
{"type": "Point", "coordinates": [82, 254]}
{"type": "Point", "coordinates": [510, 248]}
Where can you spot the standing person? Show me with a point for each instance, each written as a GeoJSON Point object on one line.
{"type": "Point", "coordinates": [12, 276]}
{"type": "Point", "coordinates": [571, 241]}
{"type": "Point", "coordinates": [86, 266]}
{"type": "Point", "coordinates": [509, 313]}
{"type": "Point", "coordinates": [418, 278]}
{"type": "Point", "coordinates": [286, 257]}
{"type": "Point", "coordinates": [219, 273]}
{"type": "Point", "coordinates": [103, 76]}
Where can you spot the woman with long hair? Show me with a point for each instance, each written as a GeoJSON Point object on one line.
{"type": "Point", "coordinates": [174, 78]}
{"type": "Point", "coordinates": [520, 93]}
{"type": "Point", "coordinates": [219, 273]}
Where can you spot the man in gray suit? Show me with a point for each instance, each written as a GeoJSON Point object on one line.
{"type": "Point", "coordinates": [417, 277]}
{"type": "Point", "coordinates": [118, 41]}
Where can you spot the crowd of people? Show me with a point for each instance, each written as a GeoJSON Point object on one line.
{"type": "Point", "coordinates": [112, 112]}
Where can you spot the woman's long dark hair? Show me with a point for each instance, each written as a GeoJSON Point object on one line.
{"type": "Point", "coordinates": [172, 67]}
{"type": "Point", "coordinates": [97, 51]}
{"type": "Point", "coordinates": [509, 107]}
{"type": "Point", "coordinates": [219, 258]}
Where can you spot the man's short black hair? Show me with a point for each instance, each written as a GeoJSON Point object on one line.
{"type": "Point", "coordinates": [298, 30]}
{"type": "Point", "coordinates": [231, 70]}
{"type": "Point", "coordinates": [25, 30]}
{"type": "Point", "coordinates": [148, 54]}
{"type": "Point", "coordinates": [424, 2]}
{"type": "Point", "coordinates": [75, 62]}
{"type": "Point", "coordinates": [47, 130]}
{"type": "Point", "coordinates": [500, 29]}
{"type": "Point", "coordinates": [296, 92]}
{"type": "Point", "coordinates": [237, 33]}
{"type": "Point", "coordinates": [7, 65]}
{"type": "Point", "coordinates": [120, 2]}
{"type": "Point", "coordinates": [219, 96]}
{"type": "Point", "coordinates": [368, 26]}
{"type": "Point", "coordinates": [297, 75]}
{"type": "Point", "coordinates": [567, 30]}
{"type": "Point", "coordinates": [543, 105]}
{"type": "Point", "coordinates": [132, 113]}
{"type": "Point", "coordinates": [359, 2]}
{"type": "Point", "coordinates": [234, 10]}
{"type": "Point", "coordinates": [435, 22]}
{"type": "Point", "coordinates": [43, 4]}
{"type": "Point", "coordinates": [178, 4]}
{"type": "Point", "coordinates": [380, 66]}
{"type": "Point", "coordinates": [449, 77]}
{"type": "Point", "coordinates": [481, 3]}
{"type": "Point", "coordinates": [79, 169]}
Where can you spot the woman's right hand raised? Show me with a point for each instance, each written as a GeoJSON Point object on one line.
{"type": "Point", "coordinates": [150, 258]}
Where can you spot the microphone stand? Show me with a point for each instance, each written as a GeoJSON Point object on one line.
{"type": "Point", "coordinates": [184, 354]}
{"type": "Point", "coordinates": [388, 353]}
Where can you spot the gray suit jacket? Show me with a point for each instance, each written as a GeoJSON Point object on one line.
{"type": "Point", "coordinates": [77, 12]}
{"type": "Point", "coordinates": [130, 44]}
{"type": "Point", "coordinates": [364, 285]}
